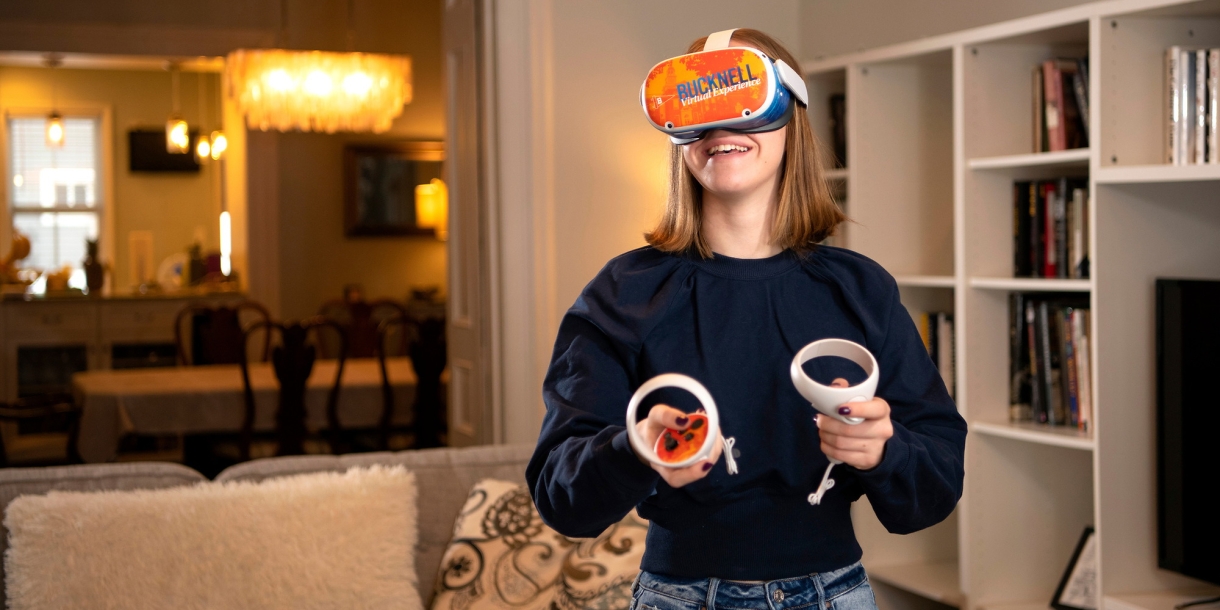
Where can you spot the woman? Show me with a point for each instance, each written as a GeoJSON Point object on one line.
{"type": "Point", "coordinates": [731, 286]}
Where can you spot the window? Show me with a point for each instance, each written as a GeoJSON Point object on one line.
{"type": "Point", "coordinates": [55, 193]}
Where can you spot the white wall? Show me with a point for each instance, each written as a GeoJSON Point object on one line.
{"type": "Point", "coordinates": [834, 27]}
{"type": "Point", "coordinates": [581, 173]}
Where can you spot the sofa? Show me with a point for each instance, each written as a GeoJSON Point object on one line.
{"type": "Point", "coordinates": [443, 477]}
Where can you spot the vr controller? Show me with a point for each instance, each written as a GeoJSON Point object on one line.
{"type": "Point", "coordinates": [682, 448]}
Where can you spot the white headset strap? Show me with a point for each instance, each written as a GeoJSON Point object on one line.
{"type": "Point", "coordinates": [718, 40]}
{"type": "Point", "coordinates": [787, 75]}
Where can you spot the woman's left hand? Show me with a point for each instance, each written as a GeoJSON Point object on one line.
{"type": "Point", "coordinates": [861, 445]}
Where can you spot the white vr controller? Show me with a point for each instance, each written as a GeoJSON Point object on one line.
{"type": "Point", "coordinates": [826, 399]}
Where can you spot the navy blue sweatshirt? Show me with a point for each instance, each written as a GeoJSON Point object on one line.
{"type": "Point", "coordinates": [734, 325]}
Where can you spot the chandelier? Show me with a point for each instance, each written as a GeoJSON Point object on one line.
{"type": "Point", "coordinates": [318, 90]}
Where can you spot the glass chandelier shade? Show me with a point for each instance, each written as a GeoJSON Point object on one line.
{"type": "Point", "coordinates": [55, 130]}
{"type": "Point", "coordinates": [318, 90]}
{"type": "Point", "coordinates": [177, 135]}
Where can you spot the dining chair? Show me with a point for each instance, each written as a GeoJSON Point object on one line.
{"type": "Point", "coordinates": [425, 340]}
{"type": "Point", "coordinates": [39, 431]}
{"type": "Point", "coordinates": [217, 334]}
{"type": "Point", "coordinates": [360, 320]}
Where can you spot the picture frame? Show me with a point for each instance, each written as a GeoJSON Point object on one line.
{"type": "Point", "coordinates": [379, 183]}
{"type": "Point", "coordinates": [1078, 589]}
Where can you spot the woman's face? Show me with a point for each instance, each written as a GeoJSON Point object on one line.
{"type": "Point", "coordinates": [735, 165]}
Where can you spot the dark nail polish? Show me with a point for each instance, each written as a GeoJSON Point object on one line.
{"type": "Point", "coordinates": [707, 466]}
{"type": "Point", "coordinates": [844, 410]}
{"type": "Point", "coordinates": [682, 421]}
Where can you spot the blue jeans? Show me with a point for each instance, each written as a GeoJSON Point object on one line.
{"type": "Point", "coordinates": [843, 589]}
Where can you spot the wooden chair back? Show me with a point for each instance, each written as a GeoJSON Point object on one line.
{"type": "Point", "coordinates": [292, 359]}
{"type": "Point", "coordinates": [361, 321]}
{"type": "Point", "coordinates": [428, 352]}
{"type": "Point", "coordinates": [217, 334]}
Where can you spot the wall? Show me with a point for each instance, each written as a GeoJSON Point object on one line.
{"type": "Point", "coordinates": [610, 165]}
{"type": "Point", "coordinates": [833, 27]}
{"type": "Point", "coordinates": [171, 205]}
{"type": "Point", "coordinates": [316, 259]}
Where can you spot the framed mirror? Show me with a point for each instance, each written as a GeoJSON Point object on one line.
{"type": "Point", "coordinates": [379, 186]}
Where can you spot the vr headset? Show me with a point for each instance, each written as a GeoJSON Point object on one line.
{"type": "Point", "coordinates": [721, 87]}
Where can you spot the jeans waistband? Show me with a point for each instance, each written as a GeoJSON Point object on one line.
{"type": "Point", "coordinates": [814, 590]}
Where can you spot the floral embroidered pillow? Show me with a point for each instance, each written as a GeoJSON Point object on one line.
{"type": "Point", "coordinates": [503, 556]}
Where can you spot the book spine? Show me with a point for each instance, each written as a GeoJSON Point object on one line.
{"type": "Point", "coordinates": [1071, 385]}
{"type": "Point", "coordinates": [1036, 400]}
{"type": "Point", "coordinates": [1213, 108]}
{"type": "Point", "coordinates": [1080, 322]}
{"type": "Point", "coordinates": [944, 336]}
{"type": "Point", "coordinates": [1052, 363]}
{"type": "Point", "coordinates": [1173, 106]}
{"type": "Point", "coordinates": [1053, 91]}
{"type": "Point", "coordinates": [1200, 110]}
{"type": "Point", "coordinates": [1080, 84]}
{"type": "Point", "coordinates": [1186, 132]}
{"type": "Point", "coordinates": [1037, 228]}
{"type": "Point", "coordinates": [1018, 359]}
{"type": "Point", "coordinates": [1022, 263]}
{"type": "Point", "coordinates": [923, 332]}
{"type": "Point", "coordinates": [1061, 229]}
{"type": "Point", "coordinates": [1039, 111]}
{"type": "Point", "coordinates": [1046, 368]}
{"type": "Point", "coordinates": [1076, 215]}
{"type": "Point", "coordinates": [1047, 208]}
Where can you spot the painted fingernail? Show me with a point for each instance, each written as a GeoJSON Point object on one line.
{"type": "Point", "coordinates": [707, 466]}
{"type": "Point", "coordinates": [682, 421]}
{"type": "Point", "coordinates": [844, 410]}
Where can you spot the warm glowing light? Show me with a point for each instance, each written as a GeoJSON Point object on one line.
{"type": "Point", "coordinates": [177, 135]}
{"type": "Point", "coordinates": [226, 244]}
{"type": "Point", "coordinates": [318, 91]}
{"type": "Point", "coordinates": [432, 207]}
{"type": "Point", "coordinates": [203, 149]}
{"type": "Point", "coordinates": [219, 144]}
{"type": "Point", "coordinates": [18, 180]}
{"type": "Point", "coordinates": [55, 130]}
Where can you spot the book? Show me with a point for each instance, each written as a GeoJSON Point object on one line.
{"type": "Point", "coordinates": [1037, 226]}
{"type": "Point", "coordinates": [1061, 229]}
{"type": "Point", "coordinates": [1080, 86]}
{"type": "Point", "coordinates": [1039, 112]}
{"type": "Point", "coordinates": [1186, 132]}
{"type": "Point", "coordinates": [1052, 93]}
{"type": "Point", "coordinates": [838, 128]}
{"type": "Point", "coordinates": [1084, 374]}
{"type": "Point", "coordinates": [1019, 409]}
{"type": "Point", "coordinates": [1047, 209]}
{"type": "Point", "coordinates": [1071, 391]}
{"type": "Point", "coordinates": [944, 341]}
{"type": "Point", "coordinates": [1075, 135]}
{"type": "Point", "coordinates": [1022, 262]}
{"type": "Point", "coordinates": [1078, 223]}
{"type": "Point", "coordinates": [1173, 105]}
{"type": "Point", "coordinates": [1036, 399]}
{"type": "Point", "coordinates": [1200, 107]}
{"type": "Point", "coordinates": [1213, 108]}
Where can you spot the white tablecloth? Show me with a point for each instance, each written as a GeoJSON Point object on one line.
{"type": "Point", "coordinates": [209, 399]}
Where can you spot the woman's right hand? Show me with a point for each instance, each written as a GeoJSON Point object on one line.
{"type": "Point", "coordinates": [650, 428]}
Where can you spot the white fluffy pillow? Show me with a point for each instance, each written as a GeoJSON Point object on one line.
{"type": "Point", "coordinates": [323, 540]}
{"type": "Point", "coordinates": [503, 557]}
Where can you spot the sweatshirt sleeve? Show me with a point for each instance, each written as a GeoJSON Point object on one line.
{"type": "Point", "coordinates": [919, 480]}
{"type": "Point", "coordinates": [584, 475]}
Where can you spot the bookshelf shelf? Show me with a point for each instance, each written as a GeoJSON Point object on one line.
{"type": "Point", "coordinates": [836, 174]}
{"type": "Point", "coordinates": [1078, 157]}
{"type": "Point", "coordinates": [935, 581]}
{"type": "Point", "coordinates": [1030, 284]}
{"type": "Point", "coordinates": [925, 281]}
{"type": "Point", "coordinates": [1146, 174]}
{"type": "Point", "coordinates": [1057, 436]}
{"type": "Point", "coordinates": [1160, 600]}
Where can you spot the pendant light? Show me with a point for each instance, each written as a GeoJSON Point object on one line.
{"type": "Point", "coordinates": [177, 132]}
{"type": "Point", "coordinates": [55, 121]}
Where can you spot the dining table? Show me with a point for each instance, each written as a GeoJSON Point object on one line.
{"type": "Point", "coordinates": [210, 398]}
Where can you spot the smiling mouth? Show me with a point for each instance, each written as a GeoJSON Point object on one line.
{"type": "Point", "coordinates": [726, 149]}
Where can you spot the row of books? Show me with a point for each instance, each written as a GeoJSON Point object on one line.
{"type": "Point", "coordinates": [1192, 81]}
{"type": "Point", "coordinates": [936, 330]}
{"type": "Point", "coordinates": [1051, 228]}
{"type": "Point", "coordinates": [1049, 355]}
{"type": "Point", "coordinates": [1061, 104]}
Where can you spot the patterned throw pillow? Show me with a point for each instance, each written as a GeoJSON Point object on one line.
{"type": "Point", "coordinates": [503, 556]}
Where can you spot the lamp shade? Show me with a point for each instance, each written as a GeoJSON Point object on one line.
{"type": "Point", "coordinates": [318, 90]}
{"type": "Point", "coordinates": [177, 135]}
{"type": "Point", "coordinates": [55, 130]}
{"type": "Point", "coordinates": [432, 207]}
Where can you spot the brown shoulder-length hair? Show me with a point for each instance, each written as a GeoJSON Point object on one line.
{"type": "Point", "coordinates": [807, 212]}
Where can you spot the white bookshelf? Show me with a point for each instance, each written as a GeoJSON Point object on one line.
{"type": "Point", "coordinates": [938, 130]}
